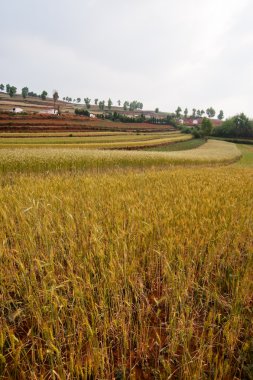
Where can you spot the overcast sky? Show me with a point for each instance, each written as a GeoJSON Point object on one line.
{"type": "Point", "coordinates": [192, 53]}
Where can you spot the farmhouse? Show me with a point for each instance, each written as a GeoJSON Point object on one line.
{"type": "Point", "coordinates": [17, 110]}
{"type": "Point", "coordinates": [192, 122]}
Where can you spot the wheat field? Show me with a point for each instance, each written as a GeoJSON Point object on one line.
{"type": "Point", "coordinates": [128, 141]}
{"type": "Point", "coordinates": [127, 274]}
{"type": "Point", "coordinates": [54, 159]}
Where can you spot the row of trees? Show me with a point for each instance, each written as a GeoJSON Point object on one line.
{"type": "Point", "coordinates": [132, 106]}
{"type": "Point", "coordinates": [87, 102]}
{"type": "Point", "coordinates": [210, 112]}
{"type": "Point", "coordinates": [115, 116]}
{"type": "Point", "coordinates": [239, 126]}
{"type": "Point", "coordinates": [12, 90]}
{"type": "Point", "coordinates": [136, 105]}
{"type": "Point", "coordinates": [128, 106]}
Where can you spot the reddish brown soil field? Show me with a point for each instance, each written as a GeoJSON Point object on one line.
{"type": "Point", "coordinates": [50, 123]}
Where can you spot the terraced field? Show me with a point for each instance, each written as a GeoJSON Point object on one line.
{"type": "Point", "coordinates": [61, 134]}
{"type": "Point", "coordinates": [70, 123]}
{"type": "Point", "coordinates": [48, 159]}
{"type": "Point", "coordinates": [136, 274]}
{"type": "Point", "coordinates": [116, 141]}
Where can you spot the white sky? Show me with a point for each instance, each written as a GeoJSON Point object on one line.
{"type": "Point", "coordinates": [192, 53]}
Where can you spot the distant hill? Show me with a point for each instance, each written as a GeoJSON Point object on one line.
{"type": "Point", "coordinates": [36, 104]}
{"type": "Point", "coordinates": [32, 104]}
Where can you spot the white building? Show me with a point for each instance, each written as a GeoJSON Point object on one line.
{"type": "Point", "coordinates": [17, 110]}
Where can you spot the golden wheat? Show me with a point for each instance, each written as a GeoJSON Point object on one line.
{"type": "Point", "coordinates": [48, 159]}
{"type": "Point", "coordinates": [102, 142]}
{"type": "Point", "coordinates": [127, 276]}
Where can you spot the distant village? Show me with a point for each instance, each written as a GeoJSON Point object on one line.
{"type": "Point", "coordinates": [30, 102]}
